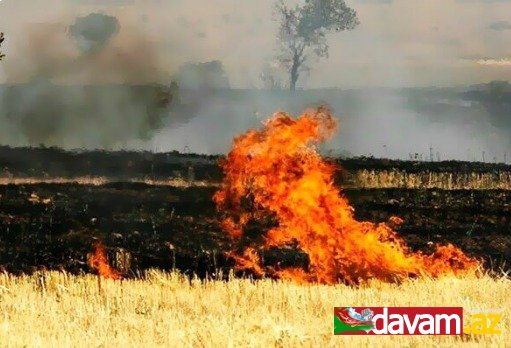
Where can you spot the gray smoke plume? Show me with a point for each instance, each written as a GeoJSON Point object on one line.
{"type": "Point", "coordinates": [392, 123]}
{"type": "Point", "coordinates": [88, 82]}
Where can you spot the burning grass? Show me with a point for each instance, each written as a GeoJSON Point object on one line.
{"type": "Point", "coordinates": [99, 262]}
{"type": "Point", "coordinates": [56, 309]}
{"type": "Point", "coordinates": [276, 174]}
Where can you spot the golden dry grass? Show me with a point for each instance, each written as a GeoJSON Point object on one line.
{"type": "Point", "coordinates": [442, 180]}
{"type": "Point", "coordinates": [168, 310]}
{"type": "Point", "coordinates": [363, 178]}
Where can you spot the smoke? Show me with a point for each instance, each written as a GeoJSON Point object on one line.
{"type": "Point", "coordinates": [495, 62]}
{"type": "Point", "coordinates": [93, 80]}
{"type": "Point", "coordinates": [87, 82]}
{"type": "Point", "coordinates": [388, 123]}
{"type": "Point", "coordinates": [423, 124]}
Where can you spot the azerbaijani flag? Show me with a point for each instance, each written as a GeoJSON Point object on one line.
{"type": "Point", "coordinates": [344, 322]}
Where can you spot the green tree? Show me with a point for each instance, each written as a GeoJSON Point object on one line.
{"type": "Point", "coordinates": [303, 31]}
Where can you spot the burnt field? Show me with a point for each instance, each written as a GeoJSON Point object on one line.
{"type": "Point", "coordinates": [54, 225]}
{"type": "Point", "coordinates": [46, 162]}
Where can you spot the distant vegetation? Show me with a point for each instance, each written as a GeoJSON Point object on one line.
{"type": "Point", "coordinates": [92, 32]}
{"type": "Point", "coordinates": [1, 41]}
{"type": "Point", "coordinates": [303, 31]}
{"type": "Point", "coordinates": [208, 75]}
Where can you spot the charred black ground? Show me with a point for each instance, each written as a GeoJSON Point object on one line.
{"type": "Point", "coordinates": [55, 225]}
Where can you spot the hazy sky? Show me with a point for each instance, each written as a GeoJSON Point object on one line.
{"type": "Point", "coordinates": [399, 42]}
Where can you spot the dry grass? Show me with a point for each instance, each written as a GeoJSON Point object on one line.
{"type": "Point", "coordinates": [363, 178]}
{"type": "Point", "coordinates": [98, 181]}
{"type": "Point", "coordinates": [168, 310]}
{"type": "Point", "coordinates": [441, 180]}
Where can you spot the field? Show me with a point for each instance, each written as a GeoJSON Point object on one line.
{"type": "Point", "coordinates": [169, 226]}
{"type": "Point", "coordinates": [170, 310]}
{"type": "Point", "coordinates": [155, 215]}
{"type": "Point", "coordinates": [157, 208]}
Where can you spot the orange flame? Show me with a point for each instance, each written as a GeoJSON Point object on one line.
{"type": "Point", "coordinates": [276, 172]}
{"type": "Point", "coordinates": [99, 262]}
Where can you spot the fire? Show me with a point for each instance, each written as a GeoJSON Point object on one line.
{"type": "Point", "coordinates": [99, 262]}
{"type": "Point", "coordinates": [276, 177]}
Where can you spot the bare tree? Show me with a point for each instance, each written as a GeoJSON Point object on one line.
{"type": "Point", "coordinates": [1, 41]}
{"type": "Point", "coordinates": [303, 31]}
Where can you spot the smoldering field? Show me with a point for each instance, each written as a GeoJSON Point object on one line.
{"type": "Point", "coordinates": [166, 219]}
{"type": "Point", "coordinates": [155, 211]}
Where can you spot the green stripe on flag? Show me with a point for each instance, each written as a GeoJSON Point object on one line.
{"type": "Point", "coordinates": [340, 327]}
